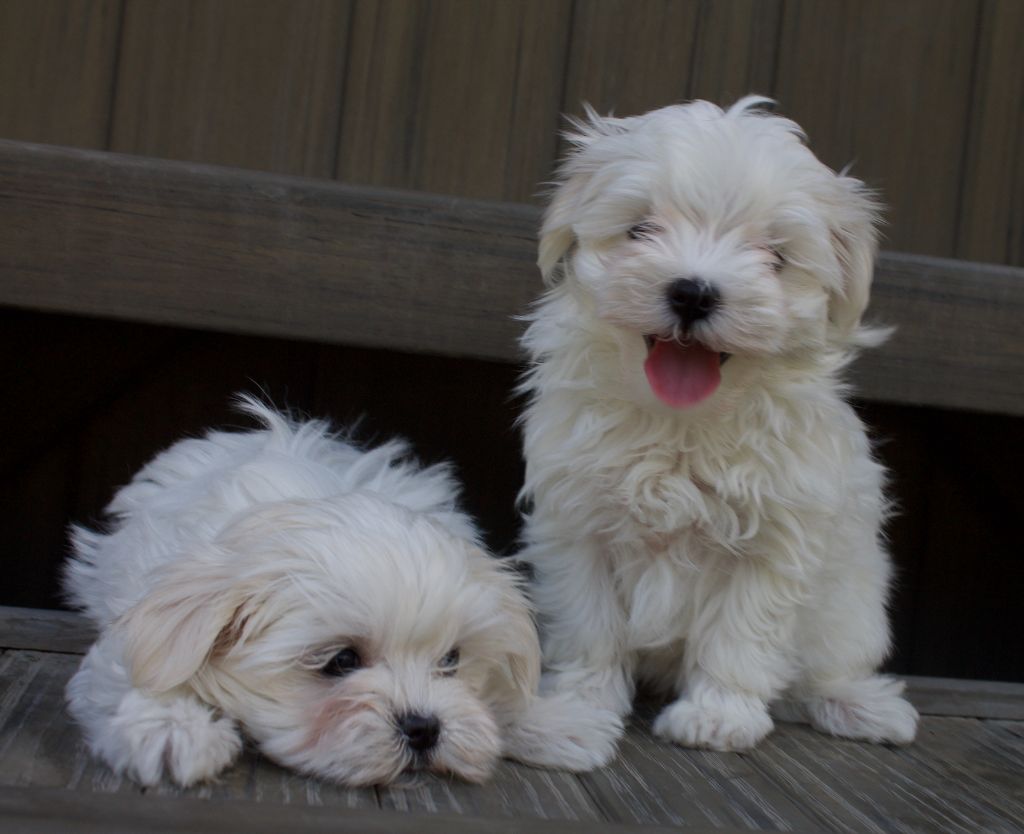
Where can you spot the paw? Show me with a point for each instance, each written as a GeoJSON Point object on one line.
{"type": "Point", "coordinates": [565, 732]}
{"type": "Point", "coordinates": [872, 709]}
{"type": "Point", "coordinates": [181, 738]}
{"type": "Point", "coordinates": [727, 723]}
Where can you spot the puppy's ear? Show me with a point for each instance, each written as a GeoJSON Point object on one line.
{"type": "Point", "coordinates": [170, 633]}
{"type": "Point", "coordinates": [518, 644]}
{"type": "Point", "coordinates": [854, 218]}
{"type": "Point", "coordinates": [556, 233]}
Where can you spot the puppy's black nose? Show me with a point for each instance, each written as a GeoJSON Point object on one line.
{"type": "Point", "coordinates": [420, 731]}
{"type": "Point", "coordinates": [692, 299]}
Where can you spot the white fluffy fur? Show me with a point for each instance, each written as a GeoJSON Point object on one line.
{"type": "Point", "coordinates": [731, 551]}
{"type": "Point", "coordinates": [238, 564]}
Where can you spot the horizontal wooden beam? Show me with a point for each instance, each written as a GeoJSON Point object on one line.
{"type": "Point", "coordinates": [174, 243]}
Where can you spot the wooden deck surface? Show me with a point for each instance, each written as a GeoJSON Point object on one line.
{"type": "Point", "coordinates": [965, 773]}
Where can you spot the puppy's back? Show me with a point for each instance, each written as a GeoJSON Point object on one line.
{"type": "Point", "coordinates": [182, 499]}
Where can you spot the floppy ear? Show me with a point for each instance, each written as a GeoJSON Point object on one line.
{"type": "Point", "coordinates": [854, 218]}
{"type": "Point", "coordinates": [519, 646]}
{"type": "Point", "coordinates": [170, 633]}
{"type": "Point", "coordinates": [556, 233]}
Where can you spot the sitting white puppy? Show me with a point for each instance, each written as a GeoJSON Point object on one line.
{"type": "Point", "coordinates": [333, 604]}
{"type": "Point", "coordinates": [706, 509]}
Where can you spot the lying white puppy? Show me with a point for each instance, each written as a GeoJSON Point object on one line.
{"type": "Point", "coordinates": [332, 604]}
{"type": "Point", "coordinates": [706, 508]}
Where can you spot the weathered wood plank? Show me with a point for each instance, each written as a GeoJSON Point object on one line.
{"type": "Point", "coordinates": [979, 757]}
{"type": "Point", "coordinates": [887, 86]}
{"type": "Point", "coordinates": [855, 786]}
{"type": "Point", "coordinates": [513, 791]}
{"type": "Point", "coordinates": [454, 97]}
{"type": "Point", "coordinates": [736, 49]}
{"type": "Point", "coordinates": [991, 216]}
{"type": "Point", "coordinates": [962, 775]}
{"type": "Point", "coordinates": [627, 57]}
{"type": "Point", "coordinates": [967, 698]}
{"type": "Point", "coordinates": [47, 811]}
{"type": "Point", "coordinates": [654, 782]}
{"type": "Point", "coordinates": [254, 83]}
{"type": "Point", "coordinates": [174, 243]}
{"type": "Point", "coordinates": [216, 248]}
{"type": "Point", "coordinates": [45, 630]}
{"type": "Point", "coordinates": [57, 64]}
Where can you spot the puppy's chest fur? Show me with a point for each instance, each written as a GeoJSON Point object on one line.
{"type": "Point", "coordinates": [690, 492]}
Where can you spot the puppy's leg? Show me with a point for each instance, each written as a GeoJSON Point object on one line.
{"type": "Point", "coordinates": [564, 731]}
{"type": "Point", "coordinates": [736, 661]}
{"type": "Point", "coordinates": [588, 688]}
{"type": "Point", "coordinates": [143, 735]}
{"type": "Point", "coordinates": [842, 642]}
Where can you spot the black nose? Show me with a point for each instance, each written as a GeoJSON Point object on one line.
{"type": "Point", "coordinates": [692, 299]}
{"type": "Point", "coordinates": [420, 731]}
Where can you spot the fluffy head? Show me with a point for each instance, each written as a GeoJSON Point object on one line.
{"type": "Point", "coordinates": [352, 637]}
{"type": "Point", "coordinates": [694, 235]}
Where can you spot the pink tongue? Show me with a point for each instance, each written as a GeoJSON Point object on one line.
{"type": "Point", "coordinates": [682, 375]}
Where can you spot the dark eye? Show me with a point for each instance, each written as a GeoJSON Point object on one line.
{"type": "Point", "coordinates": [343, 663]}
{"type": "Point", "coordinates": [450, 662]}
{"type": "Point", "coordinates": [643, 231]}
{"type": "Point", "coordinates": [777, 260]}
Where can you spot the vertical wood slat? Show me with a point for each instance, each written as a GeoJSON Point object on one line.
{"type": "Point", "coordinates": [736, 49]}
{"type": "Point", "coordinates": [57, 64]}
{"type": "Point", "coordinates": [886, 85]}
{"type": "Point", "coordinates": [992, 212]}
{"type": "Point", "coordinates": [453, 96]}
{"type": "Point", "coordinates": [250, 83]}
{"type": "Point", "coordinates": [628, 57]}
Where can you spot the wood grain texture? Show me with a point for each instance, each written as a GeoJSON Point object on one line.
{"type": "Point", "coordinates": [47, 811]}
{"type": "Point", "coordinates": [628, 57]}
{"type": "Point", "coordinates": [57, 68]}
{"type": "Point", "coordinates": [870, 789]}
{"type": "Point", "coordinates": [454, 96]}
{"type": "Point", "coordinates": [206, 247]}
{"type": "Point", "coordinates": [225, 249]}
{"type": "Point", "coordinates": [992, 211]}
{"type": "Point", "coordinates": [253, 83]}
{"type": "Point", "coordinates": [962, 775]}
{"type": "Point", "coordinates": [887, 86]}
{"type": "Point", "coordinates": [45, 630]}
{"type": "Point", "coordinates": [735, 50]}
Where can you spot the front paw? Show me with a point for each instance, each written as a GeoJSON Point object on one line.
{"type": "Point", "coordinates": [728, 723]}
{"type": "Point", "coordinates": [182, 739]}
{"type": "Point", "coordinates": [565, 732]}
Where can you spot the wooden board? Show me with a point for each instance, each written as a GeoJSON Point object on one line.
{"type": "Point", "coordinates": [454, 97]}
{"type": "Point", "coordinates": [45, 630]}
{"type": "Point", "coordinates": [628, 57]}
{"type": "Point", "coordinates": [255, 83]}
{"type": "Point", "coordinates": [961, 775]}
{"type": "Point", "coordinates": [991, 219]}
{"type": "Point", "coordinates": [887, 86]}
{"type": "Point", "coordinates": [58, 65]}
{"type": "Point", "coordinates": [199, 246]}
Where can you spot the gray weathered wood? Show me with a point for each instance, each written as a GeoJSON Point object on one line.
{"type": "Point", "coordinates": [961, 775]}
{"type": "Point", "coordinates": [852, 786]}
{"type": "Point", "coordinates": [48, 811]}
{"type": "Point", "coordinates": [44, 630]}
{"type": "Point", "coordinates": [172, 243]}
{"type": "Point", "coordinates": [968, 698]}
